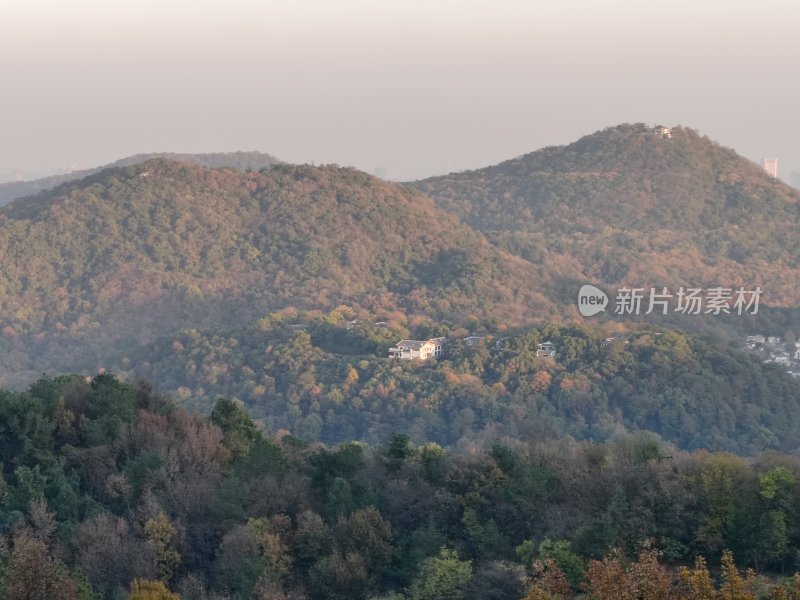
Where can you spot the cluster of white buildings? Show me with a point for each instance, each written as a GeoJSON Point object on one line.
{"type": "Point", "coordinates": [773, 350]}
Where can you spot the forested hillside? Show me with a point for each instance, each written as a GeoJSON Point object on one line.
{"type": "Point", "coordinates": [628, 205]}
{"type": "Point", "coordinates": [241, 161]}
{"type": "Point", "coordinates": [131, 254]}
{"type": "Point", "coordinates": [284, 288]}
{"type": "Point", "coordinates": [331, 383]}
{"type": "Point", "coordinates": [108, 489]}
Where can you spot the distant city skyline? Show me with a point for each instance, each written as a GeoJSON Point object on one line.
{"type": "Point", "coordinates": [407, 89]}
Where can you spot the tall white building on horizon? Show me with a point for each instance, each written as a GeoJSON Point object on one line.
{"type": "Point", "coordinates": [771, 166]}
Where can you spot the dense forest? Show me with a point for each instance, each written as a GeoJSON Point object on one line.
{"type": "Point", "coordinates": [331, 381]}
{"type": "Point", "coordinates": [110, 489]}
{"type": "Point", "coordinates": [630, 205]}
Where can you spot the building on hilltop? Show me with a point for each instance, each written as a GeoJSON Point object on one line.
{"type": "Point", "coordinates": [664, 132]}
{"type": "Point", "coordinates": [643, 129]}
{"type": "Point", "coordinates": [421, 349]}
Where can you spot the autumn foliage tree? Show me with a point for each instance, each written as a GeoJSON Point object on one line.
{"type": "Point", "coordinates": [151, 590]}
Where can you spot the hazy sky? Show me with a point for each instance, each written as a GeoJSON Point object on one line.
{"type": "Point", "coordinates": [414, 87]}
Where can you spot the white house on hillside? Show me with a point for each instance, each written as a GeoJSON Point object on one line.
{"type": "Point", "coordinates": [421, 349]}
{"type": "Point", "coordinates": [546, 349]}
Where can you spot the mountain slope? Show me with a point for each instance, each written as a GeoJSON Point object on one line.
{"type": "Point", "coordinates": [635, 207]}
{"type": "Point", "coordinates": [241, 161]}
{"type": "Point", "coordinates": [130, 254]}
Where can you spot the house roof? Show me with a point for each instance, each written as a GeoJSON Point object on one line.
{"type": "Point", "coordinates": [412, 344]}
{"type": "Point", "coordinates": [418, 344]}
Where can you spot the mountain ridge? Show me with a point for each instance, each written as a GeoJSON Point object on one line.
{"type": "Point", "coordinates": [240, 160]}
